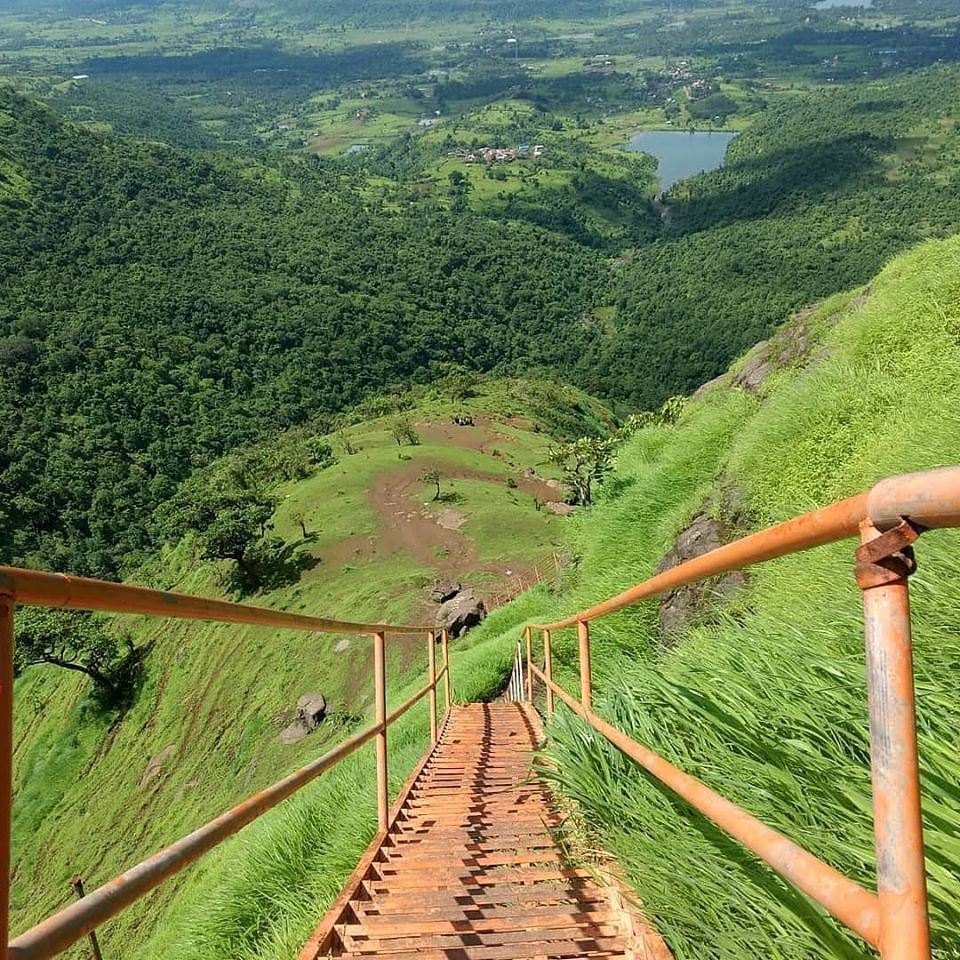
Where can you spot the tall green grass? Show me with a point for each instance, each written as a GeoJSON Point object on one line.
{"type": "Point", "coordinates": [765, 700]}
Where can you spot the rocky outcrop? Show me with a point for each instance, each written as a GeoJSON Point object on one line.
{"type": "Point", "coordinates": [444, 590]}
{"type": "Point", "coordinates": [461, 612]}
{"type": "Point", "coordinates": [311, 712]}
{"type": "Point", "coordinates": [790, 344]}
{"type": "Point", "coordinates": [683, 606]}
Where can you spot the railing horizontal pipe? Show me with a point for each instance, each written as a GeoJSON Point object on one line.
{"type": "Point", "coordinates": [811, 530]}
{"type": "Point", "coordinates": [839, 895]}
{"type": "Point", "coordinates": [413, 701]}
{"type": "Point", "coordinates": [33, 587]}
{"type": "Point", "coordinates": [66, 927]}
{"type": "Point", "coordinates": [929, 499]}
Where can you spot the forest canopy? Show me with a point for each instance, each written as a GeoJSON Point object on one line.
{"type": "Point", "coordinates": [160, 308]}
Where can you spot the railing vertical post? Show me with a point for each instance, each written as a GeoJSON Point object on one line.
{"type": "Point", "coordinates": [529, 638]}
{"type": "Point", "coordinates": [548, 671]}
{"type": "Point", "coordinates": [6, 763]}
{"type": "Point", "coordinates": [447, 694]}
{"type": "Point", "coordinates": [380, 695]}
{"type": "Point", "coordinates": [898, 831]}
{"type": "Point", "coordinates": [586, 685]}
{"type": "Point", "coordinates": [521, 679]}
{"type": "Point", "coordinates": [432, 661]}
{"type": "Point", "coordinates": [77, 884]}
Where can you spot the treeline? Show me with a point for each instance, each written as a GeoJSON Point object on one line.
{"type": "Point", "coordinates": [160, 308]}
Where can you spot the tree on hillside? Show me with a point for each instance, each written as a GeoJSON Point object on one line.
{"type": "Point", "coordinates": [457, 381]}
{"type": "Point", "coordinates": [588, 460]}
{"type": "Point", "coordinates": [402, 430]}
{"type": "Point", "coordinates": [76, 640]}
{"type": "Point", "coordinates": [432, 476]}
{"type": "Point", "coordinates": [229, 525]}
{"type": "Point", "coordinates": [584, 462]}
{"type": "Point", "coordinates": [300, 519]}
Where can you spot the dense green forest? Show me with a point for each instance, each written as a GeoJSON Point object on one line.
{"type": "Point", "coordinates": [162, 306]}
{"type": "Point", "coordinates": [159, 308]}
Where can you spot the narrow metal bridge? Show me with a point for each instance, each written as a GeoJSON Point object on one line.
{"type": "Point", "coordinates": [467, 865]}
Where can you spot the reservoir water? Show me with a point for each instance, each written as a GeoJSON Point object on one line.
{"type": "Point", "coordinates": [830, 4]}
{"type": "Point", "coordinates": [682, 154]}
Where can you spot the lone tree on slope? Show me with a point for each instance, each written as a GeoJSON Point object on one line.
{"type": "Point", "coordinates": [432, 476]}
{"type": "Point", "coordinates": [584, 462]}
{"type": "Point", "coordinates": [75, 640]}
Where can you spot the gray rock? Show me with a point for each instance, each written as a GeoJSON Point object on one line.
{"type": "Point", "coordinates": [683, 606]}
{"type": "Point", "coordinates": [444, 590]}
{"type": "Point", "coordinates": [461, 612]}
{"type": "Point", "coordinates": [788, 346]}
{"type": "Point", "coordinates": [294, 733]}
{"type": "Point", "coordinates": [311, 709]}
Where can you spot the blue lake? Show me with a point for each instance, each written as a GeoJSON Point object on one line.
{"type": "Point", "coordinates": [682, 154]}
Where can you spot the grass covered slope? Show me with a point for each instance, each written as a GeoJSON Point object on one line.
{"type": "Point", "coordinates": [96, 793]}
{"type": "Point", "coordinates": [763, 696]}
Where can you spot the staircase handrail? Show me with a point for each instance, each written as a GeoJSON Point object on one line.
{"type": "Point", "coordinates": [20, 587]}
{"type": "Point", "coordinates": [888, 519]}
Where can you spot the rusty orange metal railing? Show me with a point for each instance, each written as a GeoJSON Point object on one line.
{"type": "Point", "coordinates": [888, 519]}
{"type": "Point", "coordinates": [30, 587]}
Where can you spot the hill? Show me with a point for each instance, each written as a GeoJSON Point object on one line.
{"type": "Point", "coordinates": [161, 307]}
{"type": "Point", "coordinates": [98, 790]}
{"type": "Point", "coordinates": [757, 685]}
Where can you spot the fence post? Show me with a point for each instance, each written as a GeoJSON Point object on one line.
{"type": "Point", "coordinates": [432, 661]}
{"type": "Point", "coordinates": [884, 561]}
{"type": "Point", "coordinates": [77, 884]}
{"type": "Point", "coordinates": [548, 671]}
{"type": "Point", "coordinates": [447, 695]}
{"type": "Point", "coordinates": [586, 687]}
{"type": "Point", "coordinates": [529, 638]}
{"type": "Point", "coordinates": [380, 697]}
{"type": "Point", "coordinates": [6, 763]}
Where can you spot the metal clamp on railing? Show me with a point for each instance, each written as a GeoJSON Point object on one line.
{"type": "Point", "coordinates": [888, 519]}
{"type": "Point", "coordinates": [30, 587]}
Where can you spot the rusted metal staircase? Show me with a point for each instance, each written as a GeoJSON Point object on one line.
{"type": "Point", "coordinates": [470, 866]}
{"type": "Point", "coordinates": [467, 865]}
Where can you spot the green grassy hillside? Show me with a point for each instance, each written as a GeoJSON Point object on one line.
{"type": "Point", "coordinates": [96, 793]}
{"type": "Point", "coordinates": [763, 695]}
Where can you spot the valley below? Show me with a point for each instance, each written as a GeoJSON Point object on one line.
{"type": "Point", "coordinates": [338, 309]}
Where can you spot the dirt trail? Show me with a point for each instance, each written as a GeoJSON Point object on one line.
{"type": "Point", "coordinates": [404, 526]}
{"type": "Point", "coordinates": [431, 535]}
{"type": "Point", "coordinates": [484, 435]}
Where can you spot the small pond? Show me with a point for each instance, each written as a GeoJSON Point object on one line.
{"type": "Point", "coordinates": [682, 154]}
